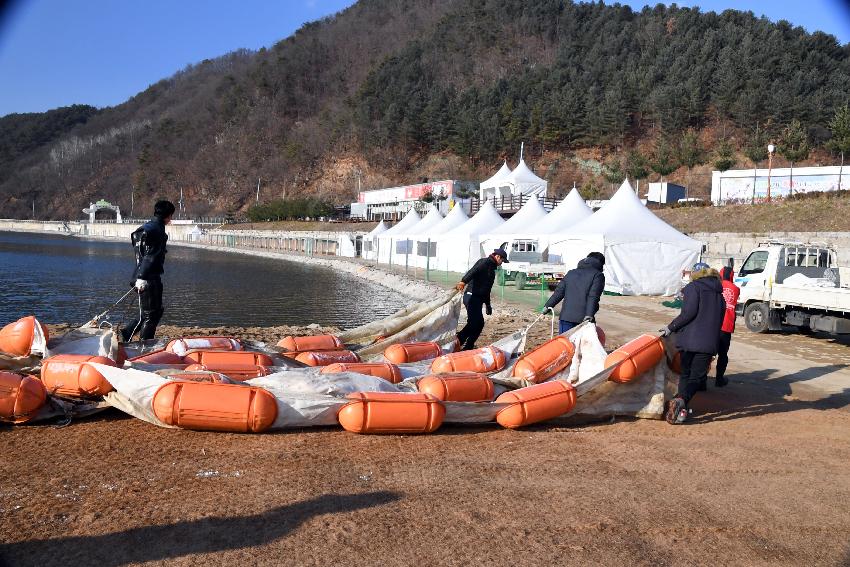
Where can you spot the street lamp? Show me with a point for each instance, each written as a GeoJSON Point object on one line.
{"type": "Point", "coordinates": [770, 150]}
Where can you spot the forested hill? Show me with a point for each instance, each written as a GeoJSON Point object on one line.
{"type": "Point", "coordinates": [391, 91]}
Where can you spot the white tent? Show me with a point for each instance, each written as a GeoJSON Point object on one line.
{"type": "Point", "coordinates": [523, 181]}
{"type": "Point", "coordinates": [426, 242]}
{"type": "Point", "coordinates": [458, 249]}
{"type": "Point", "coordinates": [643, 254]}
{"type": "Point", "coordinates": [523, 222]}
{"type": "Point", "coordinates": [495, 187]}
{"type": "Point", "coordinates": [385, 240]}
{"type": "Point", "coordinates": [569, 212]}
{"type": "Point", "coordinates": [404, 243]}
{"type": "Point", "coordinates": [370, 248]}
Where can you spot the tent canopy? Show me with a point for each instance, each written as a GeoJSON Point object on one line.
{"type": "Point", "coordinates": [520, 181]}
{"type": "Point", "coordinates": [428, 222]}
{"type": "Point", "coordinates": [643, 254]}
{"type": "Point", "coordinates": [382, 227]}
{"type": "Point", "coordinates": [455, 218]}
{"type": "Point", "coordinates": [460, 247]}
{"type": "Point", "coordinates": [410, 220]}
{"type": "Point", "coordinates": [525, 219]}
{"type": "Point", "coordinates": [568, 213]}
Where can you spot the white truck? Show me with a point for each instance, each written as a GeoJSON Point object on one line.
{"type": "Point", "coordinates": [527, 267]}
{"type": "Point", "coordinates": [795, 284]}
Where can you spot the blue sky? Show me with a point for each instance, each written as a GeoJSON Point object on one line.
{"type": "Point", "coordinates": [100, 52]}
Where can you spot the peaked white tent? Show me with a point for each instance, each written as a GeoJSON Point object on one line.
{"type": "Point", "coordinates": [570, 211]}
{"type": "Point", "coordinates": [426, 242]}
{"type": "Point", "coordinates": [458, 249]}
{"type": "Point", "coordinates": [643, 254]}
{"type": "Point", "coordinates": [495, 186]}
{"type": "Point", "coordinates": [523, 181]}
{"type": "Point", "coordinates": [386, 239]}
{"type": "Point", "coordinates": [404, 243]}
{"type": "Point", "coordinates": [370, 249]}
{"type": "Point", "coordinates": [523, 222]}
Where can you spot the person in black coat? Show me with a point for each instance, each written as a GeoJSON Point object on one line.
{"type": "Point", "coordinates": [478, 282]}
{"type": "Point", "coordinates": [149, 245]}
{"type": "Point", "coordinates": [697, 331]}
{"type": "Point", "coordinates": [580, 289]}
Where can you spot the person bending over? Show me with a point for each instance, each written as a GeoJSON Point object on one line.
{"type": "Point", "coordinates": [149, 245]}
{"type": "Point", "coordinates": [478, 282]}
{"type": "Point", "coordinates": [580, 289]}
{"type": "Point", "coordinates": [698, 333]}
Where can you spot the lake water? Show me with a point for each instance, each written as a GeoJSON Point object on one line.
{"type": "Point", "coordinates": [62, 279]}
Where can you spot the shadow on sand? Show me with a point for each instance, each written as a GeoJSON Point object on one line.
{"type": "Point", "coordinates": [163, 542]}
{"type": "Point", "coordinates": [771, 396]}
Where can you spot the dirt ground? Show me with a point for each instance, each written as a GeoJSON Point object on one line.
{"type": "Point", "coordinates": [759, 476]}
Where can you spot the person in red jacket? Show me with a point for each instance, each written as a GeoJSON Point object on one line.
{"type": "Point", "coordinates": [730, 296]}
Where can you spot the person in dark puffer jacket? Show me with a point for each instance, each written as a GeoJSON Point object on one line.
{"type": "Point", "coordinates": [698, 333]}
{"type": "Point", "coordinates": [580, 289]}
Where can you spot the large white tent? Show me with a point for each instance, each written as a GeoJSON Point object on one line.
{"type": "Point", "coordinates": [426, 242]}
{"type": "Point", "coordinates": [458, 249]}
{"type": "Point", "coordinates": [404, 242]}
{"type": "Point", "coordinates": [370, 248]}
{"type": "Point", "coordinates": [385, 240]}
{"type": "Point", "coordinates": [643, 254]}
{"type": "Point", "coordinates": [494, 187]}
{"type": "Point", "coordinates": [523, 181]}
{"type": "Point", "coordinates": [522, 223]}
{"type": "Point", "coordinates": [569, 212]}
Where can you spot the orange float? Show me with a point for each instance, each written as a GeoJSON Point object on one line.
{"type": "Point", "coordinates": [69, 375]}
{"type": "Point", "coordinates": [457, 387]}
{"type": "Point", "coordinates": [161, 356]}
{"type": "Point", "coordinates": [536, 403]}
{"type": "Point", "coordinates": [386, 370]}
{"type": "Point", "coordinates": [312, 343]}
{"type": "Point", "coordinates": [391, 412]}
{"type": "Point", "coordinates": [327, 357]}
{"type": "Point", "coordinates": [636, 357]}
{"type": "Point", "coordinates": [20, 397]}
{"type": "Point", "coordinates": [483, 360]}
{"type": "Point", "coordinates": [218, 358]}
{"type": "Point", "coordinates": [215, 407]}
{"type": "Point", "coordinates": [543, 362]}
{"type": "Point", "coordinates": [234, 372]}
{"type": "Point", "coordinates": [185, 344]}
{"type": "Point", "coordinates": [16, 338]}
{"type": "Point", "coordinates": [412, 352]}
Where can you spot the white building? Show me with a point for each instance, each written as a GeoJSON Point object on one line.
{"type": "Point", "coordinates": [750, 185]}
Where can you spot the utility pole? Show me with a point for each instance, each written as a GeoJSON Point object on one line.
{"type": "Point", "coordinates": [258, 189]}
{"type": "Point", "coordinates": [132, 199]}
{"type": "Point", "coordinates": [33, 209]}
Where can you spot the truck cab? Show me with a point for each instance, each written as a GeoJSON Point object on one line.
{"type": "Point", "coordinates": [796, 284]}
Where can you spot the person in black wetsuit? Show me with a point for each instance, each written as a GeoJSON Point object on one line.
{"type": "Point", "coordinates": [149, 245]}
{"type": "Point", "coordinates": [478, 282]}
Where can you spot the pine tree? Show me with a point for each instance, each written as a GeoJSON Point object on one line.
{"type": "Point", "coordinates": [794, 145]}
{"type": "Point", "coordinates": [663, 161]}
{"type": "Point", "coordinates": [690, 152]}
{"type": "Point", "coordinates": [840, 141]}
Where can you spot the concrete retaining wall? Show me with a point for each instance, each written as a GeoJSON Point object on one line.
{"type": "Point", "coordinates": [95, 230]}
{"type": "Point", "coordinates": [721, 246]}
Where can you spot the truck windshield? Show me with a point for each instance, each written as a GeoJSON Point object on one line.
{"type": "Point", "coordinates": [755, 263]}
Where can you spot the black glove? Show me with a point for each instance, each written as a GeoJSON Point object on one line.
{"type": "Point", "coordinates": [488, 310]}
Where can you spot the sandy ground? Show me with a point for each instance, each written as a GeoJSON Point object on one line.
{"type": "Point", "coordinates": [760, 476]}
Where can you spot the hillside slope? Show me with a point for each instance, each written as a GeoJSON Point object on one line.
{"type": "Point", "coordinates": [391, 91]}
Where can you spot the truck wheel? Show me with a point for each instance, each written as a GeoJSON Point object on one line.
{"type": "Point", "coordinates": [756, 317]}
{"type": "Point", "coordinates": [520, 280]}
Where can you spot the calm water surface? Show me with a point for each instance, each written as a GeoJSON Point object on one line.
{"type": "Point", "coordinates": [67, 279]}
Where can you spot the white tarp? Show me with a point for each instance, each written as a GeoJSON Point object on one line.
{"type": "Point", "coordinates": [385, 252]}
{"type": "Point", "coordinates": [458, 249]}
{"type": "Point", "coordinates": [643, 254]}
{"type": "Point", "coordinates": [529, 216]}
{"type": "Point", "coordinates": [496, 186]}
{"type": "Point", "coordinates": [425, 245]}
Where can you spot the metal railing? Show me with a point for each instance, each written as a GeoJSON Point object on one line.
{"type": "Point", "coordinates": [512, 203]}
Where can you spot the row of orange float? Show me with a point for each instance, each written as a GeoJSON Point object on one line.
{"type": "Point", "coordinates": [196, 400]}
